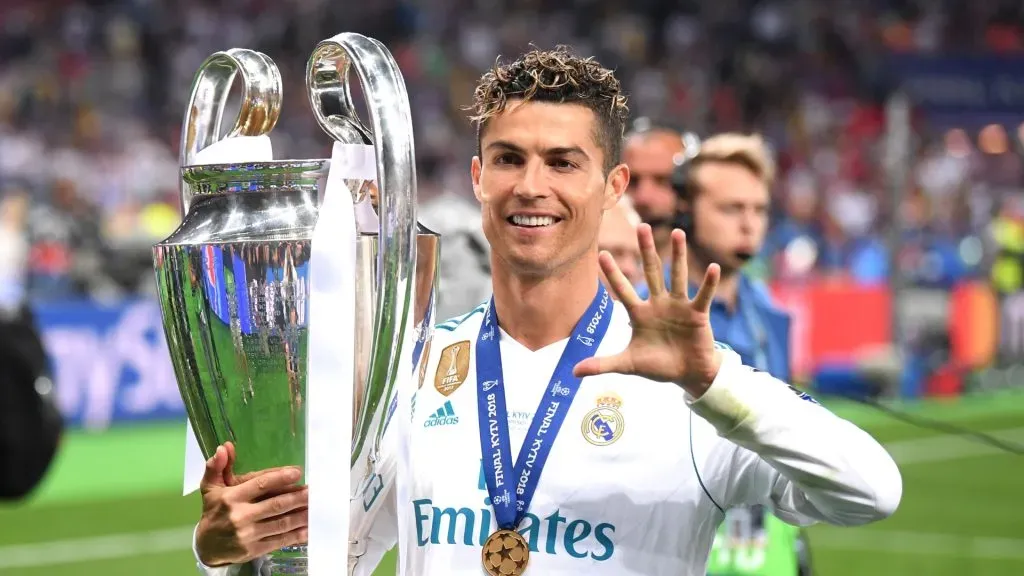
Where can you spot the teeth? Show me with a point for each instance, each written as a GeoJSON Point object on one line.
{"type": "Point", "coordinates": [533, 220]}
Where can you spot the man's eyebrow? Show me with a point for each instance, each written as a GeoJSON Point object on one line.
{"type": "Point", "coordinates": [554, 151]}
{"type": "Point", "coordinates": [565, 151]}
{"type": "Point", "coordinates": [505, 145]}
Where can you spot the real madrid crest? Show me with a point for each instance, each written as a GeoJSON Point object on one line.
{"type": "Point", "coordinates": [452, 367]}
{"type": "Point", "coordinates": [604, 424]}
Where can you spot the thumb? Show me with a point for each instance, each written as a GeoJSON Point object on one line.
{"type": "Point", "coordinates": [215, 467]}
{"type": "Point", "coordinates": [228, 473]}
{"type": "Point", "coordinates": [596, 365]}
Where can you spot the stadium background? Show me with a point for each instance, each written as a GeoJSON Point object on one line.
{"type": "Point", "coordinates": [897, 242]}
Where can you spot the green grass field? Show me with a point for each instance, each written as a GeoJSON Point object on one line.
{"type": "Point", "coordinates": [112, 506]}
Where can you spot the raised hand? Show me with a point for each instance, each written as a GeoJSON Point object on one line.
{"type": "Point", "coordinates": [672, 339]}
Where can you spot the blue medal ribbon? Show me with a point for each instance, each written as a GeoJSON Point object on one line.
{"type": "Point", "coordinates": [512, 490]}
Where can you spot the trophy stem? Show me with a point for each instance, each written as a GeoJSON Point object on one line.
{"type": "Point", "coordinates": [291, 561]}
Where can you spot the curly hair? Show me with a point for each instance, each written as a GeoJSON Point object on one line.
{"type": "Point", "coordinates": [556, 76]}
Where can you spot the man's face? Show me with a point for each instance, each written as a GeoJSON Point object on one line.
{"type": "Point", "coordinates": [730, 212]}
{"type": "Point", "coordinates": [650, 160]}
{"type": "Point", "coordinates": [541, 185]}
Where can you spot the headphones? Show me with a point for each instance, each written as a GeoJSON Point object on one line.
{"type": "Point", "coordinates": [683, 185]}
{"type": "Point", "coordinates": [680, 179]}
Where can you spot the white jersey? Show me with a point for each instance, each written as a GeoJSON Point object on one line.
{"type": "Point", "coordinates": [642, 495]}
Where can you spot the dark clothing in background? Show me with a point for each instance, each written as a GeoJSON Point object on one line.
{"type": "Point", "coordinates": [30, 424]}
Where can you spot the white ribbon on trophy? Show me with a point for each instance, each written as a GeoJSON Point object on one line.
{"type": "Point", "coordinates": [331, 368]}
{"type": "Point", "coordinates": [231, 150]}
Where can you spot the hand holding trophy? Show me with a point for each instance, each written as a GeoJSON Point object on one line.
{"type": "Point", "coordinates": [290, 321]}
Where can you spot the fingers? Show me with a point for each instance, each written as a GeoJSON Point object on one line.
{"type": "Point", "coordinates": [278, 491]}
{"type": "Point", "coordinates": [215, 466]}
{"type": "Point", "coordinates": [280, 505]}
{"type": "Point", "coordinates": [596, 365]}
{"type": "Point", "coordinates": [283, 524]}
{"type": "Point", "coordinates": [250, 475]}
{"type": "Point", "coordinates": [258, 487]}
{"type": "Point", "coordinates": [230, 447]}
{"type": "Point", "coordinates": [680, 276]}
{"type": "Point", "coordinates": [651, 262]}
{"type": "Point", "coordinates": [229, 470]}
{"type": "Point", "coordinates": [706, 294]}
{"type": "Point", "coordinates": [296, 537]}
{"type": "Point", "coordinates": [617, 281]}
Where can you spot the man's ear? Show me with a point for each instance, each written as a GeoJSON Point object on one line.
{"type": "Point", "coordinates": [475, 169]}
{"type": "Point", "coordinates": [615, 185]}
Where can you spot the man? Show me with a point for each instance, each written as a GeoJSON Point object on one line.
{"type": "Point", "coordinates": [652, 152]}
{"type": "Point", "coordinates": [723, 193]}
{"type": "Point", "coordinates": [617, 237]}
{"type": "Point", "coordinates": [663, 429]}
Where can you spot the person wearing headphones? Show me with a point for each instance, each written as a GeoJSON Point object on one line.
{"type": "Point", "coordinates": [722, 191]}
{"type": "Point", "coordinates": [652, 150]}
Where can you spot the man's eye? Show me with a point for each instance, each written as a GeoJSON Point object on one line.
{"type": "Point", "coordinates": [562, 164]}
{"type": "Point", "coordinates": [506, 159]}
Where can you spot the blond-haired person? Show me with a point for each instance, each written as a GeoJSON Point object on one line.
{"type": "Point", "coordinates": [723, 195]}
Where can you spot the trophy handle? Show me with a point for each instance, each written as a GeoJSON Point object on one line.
{"type": "Point", "coordinates": [392, 137]}
{"type": "Point", "coordinates": [260, 109]}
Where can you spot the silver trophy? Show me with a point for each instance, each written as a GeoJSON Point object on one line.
{"type": "Point", "coordinates": [233, 279]}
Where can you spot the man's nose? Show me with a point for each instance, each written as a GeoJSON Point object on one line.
{"type": "Point", "coordinates": [749, 221]}
{"type": "Point", "coordinates": [650, 196]}
{"type": "Point", "coordinates": [645, 191]}
{"type": "Point", "coordinates": [531, 185]}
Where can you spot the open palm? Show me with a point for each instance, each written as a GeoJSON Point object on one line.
{"type": "Point", "coordinates": [672, 339]}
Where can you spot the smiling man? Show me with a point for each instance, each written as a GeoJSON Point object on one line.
{"type": "Point", "coordinates": [559, 431]}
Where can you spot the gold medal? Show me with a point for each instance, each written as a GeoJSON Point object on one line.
{"type": "Point", "coordinates": [505, 553]}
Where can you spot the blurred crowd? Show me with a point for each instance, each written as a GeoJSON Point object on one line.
{"type": "Point", "coordinates": [92, 93]}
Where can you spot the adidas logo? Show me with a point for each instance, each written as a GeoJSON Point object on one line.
{"type": "Point", "coordinates": [444, 416]}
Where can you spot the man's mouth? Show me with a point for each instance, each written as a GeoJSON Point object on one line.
{"type": "Point", "coordinates": [532, 221]}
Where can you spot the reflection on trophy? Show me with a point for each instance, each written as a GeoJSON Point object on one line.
{"type": "Point", "coordinates": [233, 279]}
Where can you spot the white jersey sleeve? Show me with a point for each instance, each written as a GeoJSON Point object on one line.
{"type": "Point", "coordinates": [378, 499]}
{"type": "Point", "coordinates": [787, 452]}
{"type": "Point", "coordinates": [382, 536]}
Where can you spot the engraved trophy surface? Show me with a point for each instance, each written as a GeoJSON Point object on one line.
{"type": "Point", "coordinates": [233, 279]}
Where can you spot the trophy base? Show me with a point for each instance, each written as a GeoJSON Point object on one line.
{"type": "Point", "coordinates": [291, 561]}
